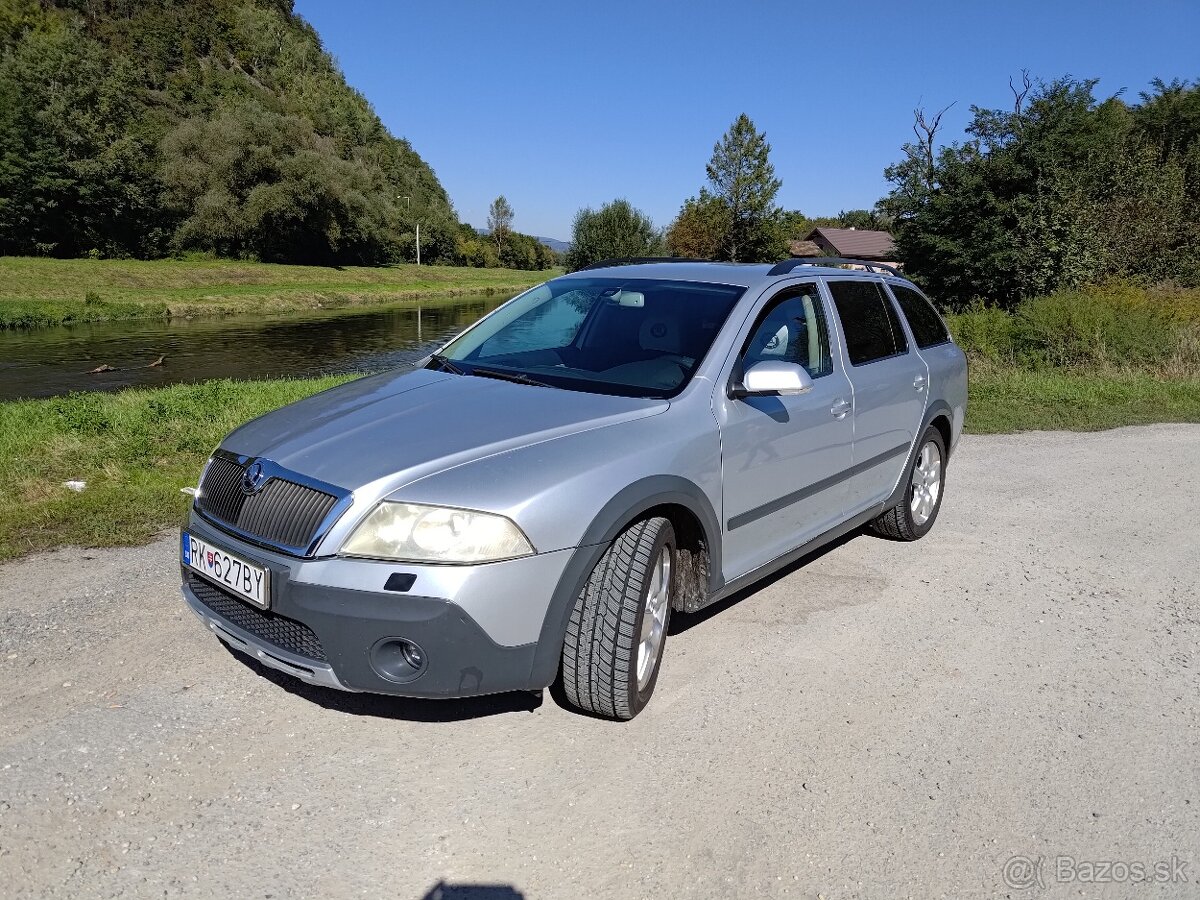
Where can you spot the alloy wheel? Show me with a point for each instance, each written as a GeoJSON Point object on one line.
{"type": "Point", "coordinates": [926, 483]}
{"type": "Point", "coordinates": [654, 620]}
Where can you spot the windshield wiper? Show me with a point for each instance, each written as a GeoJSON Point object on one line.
{"type": "Point", "coordinates": [444, 363]}
{"type": "Point", "coordinates": [518, 377]}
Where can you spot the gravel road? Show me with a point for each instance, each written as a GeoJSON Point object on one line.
{"type": "Point", "coordinates": [886, 720]}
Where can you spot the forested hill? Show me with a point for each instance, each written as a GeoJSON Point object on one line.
{"type": "Point", "coordinates": [146, 127]}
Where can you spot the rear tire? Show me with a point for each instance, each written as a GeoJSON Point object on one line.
{"type": "Point", "coordinates": [618, 627]}
{"type": "Point", "coordinates": [911, 519]}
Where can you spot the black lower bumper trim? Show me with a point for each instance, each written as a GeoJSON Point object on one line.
{"type": "Point", "coordinates": [462, 661]}
{"type": "Point", "coordinates": [271, 628]}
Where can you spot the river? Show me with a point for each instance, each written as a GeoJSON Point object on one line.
{"type": "Point", "coordinates": [49, 361]}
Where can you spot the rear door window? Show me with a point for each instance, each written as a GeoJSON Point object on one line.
{"type": "Point", "coordinates": [927, 326]}
{"type": "Point", "coordinates": [869, 321]}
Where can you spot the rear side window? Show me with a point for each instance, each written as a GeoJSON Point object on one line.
{"type": "Point", "coordinates": [869, 320]}
{"type": "Point", "coordinates": [927, 326]}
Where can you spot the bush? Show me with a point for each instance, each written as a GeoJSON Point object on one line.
{"type": "Point", "coordinates": [1112, 327]}
{"type": "Point", "coordinates": [1116, 326]}
{"type": "Point", "coordinates": [985, 333]}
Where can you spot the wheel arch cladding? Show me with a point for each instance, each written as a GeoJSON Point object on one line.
{"type": "Point", "coordinates": [678, 499]}
{"type": "Point", "coordinates": [941, 421]}
{"type": "Point", "coordinates": [938, 410]}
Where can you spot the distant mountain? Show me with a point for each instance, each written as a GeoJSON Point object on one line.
{"type": "Point", "coordinates": [143, 127]}
{"type": "Point", "coordinates": [553, 243]}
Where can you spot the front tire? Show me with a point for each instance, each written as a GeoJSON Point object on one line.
{"type": "Point", "coordinates": [618, 627]}
{"type": "Point", "coordinates": [915, 515]}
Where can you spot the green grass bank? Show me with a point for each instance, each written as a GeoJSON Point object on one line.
{"type": "Point", "coordinates": [38, 292]}
{"type": "Point", "coordinates": [134, 449]}
{"type": "Point", "coordinates": [1003, 401]}
{"type": "Point", "coordinates": [1115, 354]}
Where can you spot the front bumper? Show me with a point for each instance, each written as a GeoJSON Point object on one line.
{"type": "Point", "coordinates": [336, 634]}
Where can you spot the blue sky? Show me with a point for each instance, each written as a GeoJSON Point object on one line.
{"type": "Point", "coordinates": [570, 104]}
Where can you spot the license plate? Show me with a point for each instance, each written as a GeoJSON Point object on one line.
{"type": "Point", "coordinates": [243, 578]}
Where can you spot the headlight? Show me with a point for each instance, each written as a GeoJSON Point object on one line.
{"type": "Point", "coordinates": [414, 533]}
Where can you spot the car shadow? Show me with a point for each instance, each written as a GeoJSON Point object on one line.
{"type": "Point", "coordinates": [444, 891]}
{"type": "Point", "coordinates": [381, 706]}
{"type": "Point", "coordinates": [460, 709]}
{"type": "Point", "coordinates": [681, 622]}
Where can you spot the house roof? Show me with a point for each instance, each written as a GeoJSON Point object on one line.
{"type": "Point", "coordinates": [805, 248]}
{"type": "Point", "coordinates": [855, 243]}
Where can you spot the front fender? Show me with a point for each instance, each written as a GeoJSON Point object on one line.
{"type": "Point", "coordinates": [629, 504]}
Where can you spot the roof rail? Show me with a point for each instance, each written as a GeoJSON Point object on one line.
{"type": "Point", "coordinates": [788, 265]}
{"type": "Point", "coordinates": [638, 260]}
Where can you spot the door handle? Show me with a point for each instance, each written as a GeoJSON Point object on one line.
{"type": "Point", "coordinates": [919, 382]}
{"type": "Point", "coordinates": [840, 408]}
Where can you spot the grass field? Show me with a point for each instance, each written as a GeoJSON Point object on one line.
{"type": "Point", "coordinates": [1008, 400]}
{"type": "Point", "coordinates": [137, 448]}
{"type": "Point", "coordinates": [43, 292]}
{"type": "Point", "coordinates": [1097, 357]}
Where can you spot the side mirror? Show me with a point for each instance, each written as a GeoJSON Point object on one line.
{"type": "Point", "coordinates": [773, 378]}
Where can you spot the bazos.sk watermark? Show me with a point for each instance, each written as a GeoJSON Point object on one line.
{"type": "Point", "coordinates": [1024, 872]}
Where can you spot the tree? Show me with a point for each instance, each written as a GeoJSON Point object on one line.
{"type": "Point", "coordinates": [742, 180]}
{"type": "Point", "coordinates": [615, 230]}
{"type": "Point", "coordinates": [76, 166]}
{"type": "Point", "coordinates": [251, 182]}
{"type": "Point", "coordinates": [862, 219]}
{"type": "Point", "coordinates": [795, 225]}
{"type": "Point", "coordinates": [130, 127]}
{"type": "Point", "coordinates": [1059, 190]}
{"type": "Point", "coordinates": [546, 257]}
{"type": "Point", "coordinates": [499, 220]}
{"type": "Point", "coordinates": [471, 249]}
{"type": "Point", "coordinates": [521, 251]}
{"type": "Point", "coordinates": [734, 217]}
{"type": "Point", "coordinates": [699, 228]}
{"type": "Point", "coordinates": [869, 219]}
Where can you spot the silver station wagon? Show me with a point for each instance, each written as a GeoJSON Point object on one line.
{"type": "Point", "coordinates": [530, 503]}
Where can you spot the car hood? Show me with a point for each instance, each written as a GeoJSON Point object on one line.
{"type": "Point", "coordinates": [402, 426]}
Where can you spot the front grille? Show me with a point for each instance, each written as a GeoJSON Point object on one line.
{"type": "Point", "coordinates": [272, 628]}
{"type": "Point", "coordinates": [283, 512]}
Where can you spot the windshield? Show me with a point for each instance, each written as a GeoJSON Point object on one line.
{"type": "Point", "coordinates": [632, 337]}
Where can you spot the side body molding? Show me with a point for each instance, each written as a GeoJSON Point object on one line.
{"type": "Point", "coordinates": [898, 496]}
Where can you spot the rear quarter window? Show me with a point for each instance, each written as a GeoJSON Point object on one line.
{"type": "Point", "coordinates": [869, 321]}
{"type": "Point", "coordinates": [927, 326]}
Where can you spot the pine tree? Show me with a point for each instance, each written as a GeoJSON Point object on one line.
{"type": "Point", "coordinates": [742, 180]}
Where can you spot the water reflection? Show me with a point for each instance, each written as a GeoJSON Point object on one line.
{"type": "Point", "coordinates": [50, 361]}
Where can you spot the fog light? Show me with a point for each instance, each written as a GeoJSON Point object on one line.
{"type": "Point", "coordinates": [412, 654]}
{"type": "Point", "coordinates": [398, 659]}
